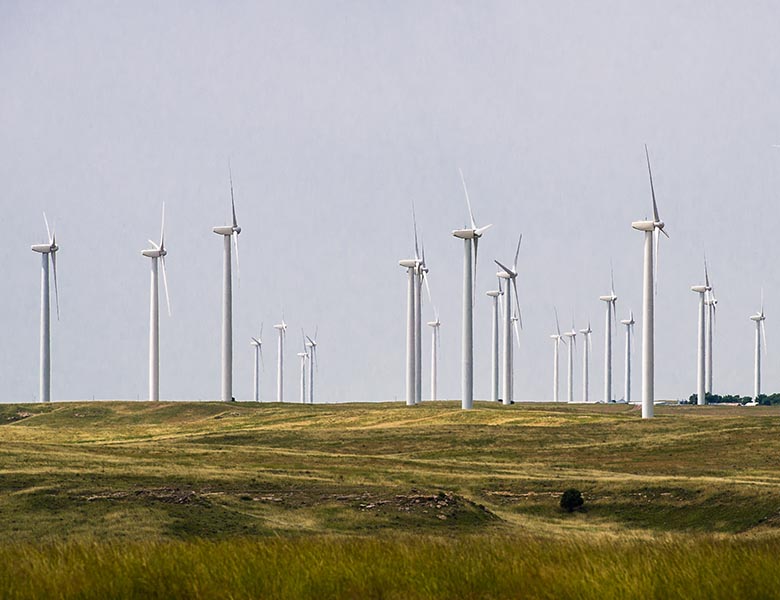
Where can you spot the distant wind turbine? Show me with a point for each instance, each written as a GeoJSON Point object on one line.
{"type": "Point", "coordinates": [282, 328]}
{"type": "Point", "coordinates": [410, 265]}
{"type": "Point", "coordinates": [572, 335]}
{"type": "Point", "coordinates": [712, 304]}
{"type": "Point", "coordinates": [611, 300]}
{"type": "Point", "coordinates": [586, 346]}
{"type": "Point", "coordinates": [303, 356]}
{"type": "Point", "coordinates": [651, 229]}
{"type": "Point", "coordinates": [494, 379]}
{"type": "Point", "coordinates": [47, 250]}
{"type": "Point", "coordinates": [311, 344]}
{"type": "Point", "coordinates": [759, 319]}
{"type": "Point", "coordinates": [157, 253]}
{"type": "Point", "coordinates": [511, 276]}
{"type": "Point", "coordinates": [701, 359]}
{"type": "Point", "coordinates": [470, 237]}
{"type": "Point", "coordinates": [257, 342]}
{"type": "Point", "coordinates": [629, 323]}
{"type": "Point", "coordinates": [435, 342]}
{"type": "Point", "coordinates": [228, 232]}
{"type": "Point", "coordinates": [557, 338]}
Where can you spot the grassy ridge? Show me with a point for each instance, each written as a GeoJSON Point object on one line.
{"type": "Point", "coordinates": [402, 567]}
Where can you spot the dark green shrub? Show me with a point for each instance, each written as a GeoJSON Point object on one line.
{"type": "Point", "coordinates": [571, 500]}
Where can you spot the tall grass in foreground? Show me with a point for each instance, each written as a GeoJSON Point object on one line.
{"type": "Point", "coordinates": [395, 567]}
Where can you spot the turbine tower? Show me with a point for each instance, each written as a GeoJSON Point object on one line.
{"type": "Point", "coordinates": [759, 319]}
{"type": "Point", "coordinates": [573, 339]}
{"type": "Point", "coordinates": [434, 354]}
{"type": "Point", "coordinates": [494, 294]}
{"type": "Point", "coordinates": [611, 317]}
{"type": "Point", "coordinates": [651, 229]}
{"type": "Point", "coordinates": [282, 328]}
{"type": "Point", "coordinates": [257, 342]}
{"type": "Point", "coordinates": [303, 356]}
{"type": "Point", "coordinates": [311, 344]}
{"type": "Point", "coordinates": [511, 276]}
{"type": "Point", "coordinates": [629, 323]}
{"type": "Point", "coordinates": [557, 340]}
{"type": "Point", "coordinates": [157, 253]}
{"type": "Point", "coordinates": [410, 264]}
{"type": "Point", "coordinates": [711, 303]}
{"type": "Point", "coordinates": [228, 232]}
{"type": "Point", "coordinates": [586, 346]}
{"type": "Point", "coordinates": [700, 341]}
{"type": "Point", "coordinates": [47, 250]}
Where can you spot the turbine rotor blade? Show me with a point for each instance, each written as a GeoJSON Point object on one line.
{"type": "Point", "coordinates": [48, 232]}
{"type": "Point", "coordinates": [414, 221]}
{"type": "Point", "coordinates": [652, 188]}
{"type": "Point", "coordinates": [232, 199]}
{"type": "Point", "coordinates": [517, 252]}
{"type": "Point", "coordinates": [165, 283]}
{"type": "Point", "coordinates": [506, 269]}
{"type": "Point", "coordinates": [557, 322]}
{"type": "Point", "coordinates": [162, 228]}
{"type": "Point", "coordinates": [517, 302]}
{"type": "Point", "coordinates": [468, 201]}
{"type": "Point", "coordinates": [56, 287]}
{"type": "Point", "coordinates": [234, 235]}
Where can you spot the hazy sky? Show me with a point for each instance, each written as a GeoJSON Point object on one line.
{"type": "Point", "coordinates": [336, 116]}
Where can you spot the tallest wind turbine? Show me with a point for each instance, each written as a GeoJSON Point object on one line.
{"type": "Point", "coordinates": [470, 237]}
{"type": "Point", "coordinates": [228, 232]}
{"type": "Point", "coordinates": [651, 229]}
{"type": "Point", "coordinates": [46, 251]}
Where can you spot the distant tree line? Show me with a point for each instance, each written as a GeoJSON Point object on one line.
{"type": "Point", "coordinates": [763, 399]}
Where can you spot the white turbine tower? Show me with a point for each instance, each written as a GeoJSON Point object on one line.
{"type": "Point", "coordinates": [470, 238]}
{"type": "Point", "coordinates": [572, 335]}
{"type": "Point", "coordinates": [759, 319]}
{"type": "Point", "coordinates": [435, 325]}
{"type": "Point", "coordinates": [257, 342]}
{"type": "Point", "coordinates": [410, 264]}
{"type": "Point", "coordinates": [494, 378]}
{"type": "Point", "coordinates": [228, 232]}
{"type": "Point", "coordinates": [651, 230]}
{"type": "Point", "coordinates": [47, 250]}
{"type": "Point", "coordinates": [557, 340]}
{"type": "Point", "coordinates": [282, 328]}
{"type": "Point", "coordinates": [311, 344]}
{"type": "Point", "coordinates": [611, 317]}
{"type": "Point", "coordinates": [586, 346]}
{"type": "Point", "coordinates": [157, 253]}
{"type": "Point", "coordinates": [511, 276]}
{"type": "Point", "coordinates": [303, 356]}
{"type": "Point", "coordinates": [701, 360]}
{"type": "Point", "coordinates": [629, 323]}
{"type": "Point", "coordinates": [711, 303]}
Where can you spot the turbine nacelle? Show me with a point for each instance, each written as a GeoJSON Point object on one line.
{"type": "Point", "coordinates": [433, 323]}
{"type": "Point", "coordinates": [494, 293]}
{"type": "Point", "coordinates": [758, 317]}
{"type": "Point", "coordinates": [470, 234]}
{"type": "Point", "coordinates": [227, 230]}
{"type": "Point", "coordinates": [154, 252]}
{"type": "Point", "coordinates": [44, 248]}
{"type": "Point", "coordinates": [610, 298]}
{"type": "Point", "coordinates": [409, 263]}
{"type": "Point", "coordinates": [700, 289]}
{"type": "Point", "coordinates": [643, 225]}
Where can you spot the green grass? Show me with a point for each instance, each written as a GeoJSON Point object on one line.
{"type": "Point", "coordinates": [364, 487]}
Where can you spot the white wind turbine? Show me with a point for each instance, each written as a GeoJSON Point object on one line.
{"type": "Point", "coordinates": [712, 303]}
{"type": "Point", "coordinates": [157, 253]}
{"type": "Point", "coordinates": [311, 344]}
{"type": "Point", "coordinates": [629, 323]}
{"type": "Point", "coordinates": [470, 237]}
{"type": "Point", "coordinates": [759, 319]}
{"type": "Point", "coordinates": [303, 356]}
{"type": "Point", "coordinates": [494, 294]}
{"type": "Point", "coordinates": [410, 264]}
{"type": "Point", "coordinates": [586, 347]}
{"type": "Point", "coordinates": [511, 276]}
{"type": "Point", "coordinates": [228, 232]}
{"type": "Point", "coordinates": [47, 250]}
{"type": "Point", "coordinates": [282, 328]}
{"type": "Point", "coordinates": [701, 360]}
{"type": "Point", "coordinates": [434, 325]}
{"type": "Point", "coordinates": [651, 230]}
{"type": "Point", "coordinates": [611, 317]}
{"type": "Point", "coordinates": [557, 340]}
{"type": "Point", "coordinates": [257, 342]}
{"type": "Point", "coordinates": [572, 335]}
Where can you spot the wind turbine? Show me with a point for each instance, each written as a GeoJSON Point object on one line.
{"type": "Point", "coordinates": [700, 342]}
{"type": "Point", "coordinates": [651, 229]}
{"type": "Point", "coordinates": [511, 276]}
{"type": "Point", "coordinates": [157, 253]}
{"type": "Point", "coordinates": [585, 354]}
{"type": "Point", "coordinates": [759, 319]}
{"type": "Point", "coordinates": [712, 303]}
{"type": "Point", "coordinates": [303, 356]}
{"type": "Point", "coordinates": [470, 237]}
{"type": "Point", "coordinates": [611, 301]}
{"type": "Point", "coordinates": [47, 250]}
{"type": "Point", "coordinates": [228, 232]}
{"type": "Point", "coordinates": [557, 340]}
{"type": "Point", "coordinates": [629, 323]}
{"type": "Point", "coordinates": [435, 325]}
{"type": "Point", "coordinates": [311, 344]}
{"type": "Point", "coordinates": [494, 294]}
{"type": "Point", "coordinates": [410, 264]}
{"type": "Point", "coordinates": [257, 342]}
{"type": "Point", "coordinates": [282, 328]}
{"type": "Point", "coordinates": [572, 335]}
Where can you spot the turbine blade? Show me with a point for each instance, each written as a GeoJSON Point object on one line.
{"type": "Point", "coordinates": [611, 278]}
{"type": "Point", "coordinates": [706, 273]}
{"type": "Point", "coordinates": [517, 332]}
{"type": "Point", "coordinates": [232, 199]}
{"type": "Point", "coordinates": [763, 335]}
{"type": "Point", "coordinates": [238, 264]}
{"type": "Point", "coordinates": [162, 228]}
{"type": "Point", "coordinates": [557, 322]}
{"type": "Point", "coordinates": [56, 287]}
{"type": "Point", "coordinates": [165, 284]}
{"type": "Point", "coordinates": [468, 201]}
{"type": "Point", "coordinates": [478, 232]}
{"type": "Point", "coordinates": [506, 269]}
{"type": "Point", "coordinates": [475, 241]}
{"type": "Point", "coordinates": [48, 231]}
{"type": "Point", "coordinates": [262, 362]}
{"type": "Point", "coordinates": [517, 252]}
{"type": "Point", "coordinates": [656, 239]}
{"type": "Point", "coordinates": [427, 289]}
{"type": "Point", "coordinates": [652, 188]}
{"type": "Point", "coordinates": [154, 244]}
{"type": "Point", "coordinates": [414, 221]}
{"type": "Point", "coordinates": [517, 302]}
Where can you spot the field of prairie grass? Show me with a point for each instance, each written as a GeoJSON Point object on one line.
{"type": "Point", "coordinates": [132, 499]}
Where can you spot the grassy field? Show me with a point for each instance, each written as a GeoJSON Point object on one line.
{"type": "Point", "coordinates": [129, 499]}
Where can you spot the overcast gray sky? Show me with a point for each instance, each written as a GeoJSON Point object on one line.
{"type": "Point", "coordinates": [336, 116]}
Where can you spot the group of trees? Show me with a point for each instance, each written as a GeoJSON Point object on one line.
{"type": "Point", "coordinates": [763, 399]}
